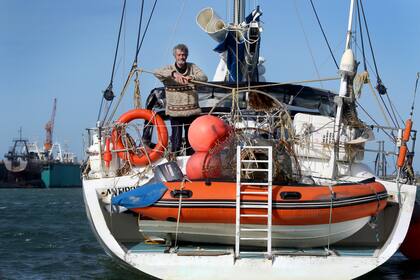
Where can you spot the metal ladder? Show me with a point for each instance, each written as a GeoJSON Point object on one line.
{"type": "Point", "coordinates": [268, 185]}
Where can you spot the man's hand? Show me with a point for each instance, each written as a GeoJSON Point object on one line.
{"type": "Point", "coordinates": [181, 79]}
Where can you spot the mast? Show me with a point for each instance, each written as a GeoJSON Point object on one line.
{"type": "Point", "coordinates": [347, 71]}
{"type": "Point", "coordinates": [349, 26]}
{"type": "Point", "coordinates": [238, 11]}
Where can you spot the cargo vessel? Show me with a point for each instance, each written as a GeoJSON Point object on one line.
{"type": "Point", "coordinates": [26, 166]}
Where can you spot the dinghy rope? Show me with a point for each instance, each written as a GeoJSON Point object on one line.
{"type": "Point", "coordinates": [332, 194]}
{"type": "Point", "coordinates": [179, 213]}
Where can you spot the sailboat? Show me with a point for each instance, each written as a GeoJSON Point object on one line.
{"type": "Point", "coordinates": [276, 187]}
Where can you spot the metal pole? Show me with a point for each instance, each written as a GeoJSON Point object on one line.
{"type": "Point", "coordinates": [238, 201]}
{"type": "Point", "coordinates": [350, 24]}
{"type": "Point", "coordinates": [332, 170]}
{"type": "Point", "coordinates": [238, 11]}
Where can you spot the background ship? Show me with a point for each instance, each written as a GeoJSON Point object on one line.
{"type": "Point", "coordinates": [26, 165]}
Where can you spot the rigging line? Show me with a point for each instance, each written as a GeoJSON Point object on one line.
{"type": "Point", "coordinates": [181, 13]}
{"type": "Point", "coordinates": [293, 82]}
{"type": "Point", "coordinates": [115, 56]}
{"type": "Point", "coordinates": [237, 59]}
{"type": "Point", "coordinates": [361, 34]}
{"type": "Point", "coordinates": [370, 42]}
{"type": "Point", "coordinates": [139, 31]}
{"type": "Point", "coordinates": [392, 108]}
{"type": "Point", "coordinates": [147, 27]}
{"type": "Point", "coordinates": [389, 113]}
{"type": "Point", "coordinates": [379, 81]}
{"type": "Point", "coordinates": [363, 109]}
{"type": "Point", "coordinates": [307, 42]}
{"type": "Point", "coordinates": [375, 65]}
{"type": "Point", "coordinates": [415, 93]}
{"type": "Point", "coordinates": [398, 113]}
{"type": "Point", "coordinates": [235, 97]}
{"type": "Point", "coordinates": [338, 45]}
{"type": "Point", "coordinates": [100, 109]}
{"type": "Point", "coordinates": [130, 75]}
{"type": "Point", "coordinates": [256, 86]}
{"type": "Point", "coordinates": [323, 33]}
{"type": "Point", "coordinates": [379, 103]}
{"type": "Point", "coordinates": [118, 42]}
{"type": "Point", "coordinates": [107, 109]}
{"type": "Point", "coordinates": [367, 62]}
{"type": "Point", "coordinates": [371, 68]}
{"type": "Point", "coordinates": [124, 54]}
{"type": "Point", "coordinates": [228, 11]}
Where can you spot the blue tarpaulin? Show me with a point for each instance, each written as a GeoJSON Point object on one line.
{"type": "Point", "coordinates": [142, 196]}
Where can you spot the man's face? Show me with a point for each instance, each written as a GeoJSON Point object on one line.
{"type": "Point", "coordinates": [180, 57]}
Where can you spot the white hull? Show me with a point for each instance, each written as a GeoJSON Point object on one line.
{"type": "Point", "coordinates": [221, 264]}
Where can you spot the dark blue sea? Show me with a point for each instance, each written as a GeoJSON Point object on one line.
{"type": "Point", "coordinates": [44, 234]}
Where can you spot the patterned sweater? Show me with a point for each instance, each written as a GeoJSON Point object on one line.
{"type": "Point", "coordinates": [181, 100]}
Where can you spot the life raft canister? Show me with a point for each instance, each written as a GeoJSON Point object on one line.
{"type": "Point", "coordinates": [162, 135]}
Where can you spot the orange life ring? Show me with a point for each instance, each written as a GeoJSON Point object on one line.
{"type": "Point", "coordinates": [152, 155]}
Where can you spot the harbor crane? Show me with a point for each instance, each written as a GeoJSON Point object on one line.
{"type": "Point", "coordinates": [49, 127]}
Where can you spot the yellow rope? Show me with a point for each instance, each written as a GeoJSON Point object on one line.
{"type": "Point", "coordinates": [137, 94]}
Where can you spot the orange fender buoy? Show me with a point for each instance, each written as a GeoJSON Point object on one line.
{"type": "Point", "coordinates": [407, 130]}
{"type": "Point", "coordinates": [411, 244]}
{"type": "Point", "coordinates": [401, 155]}
{"type": "Point", "coordinates": [205, 131]}
{"type": "Point", "coordinates": [107, 153]}
{"type": "Point", "coordinates": [162, 135]}
{"type": "Point", "coordinates": [203, 165]}
{"type": "Point", "coordinates": [405, 138]}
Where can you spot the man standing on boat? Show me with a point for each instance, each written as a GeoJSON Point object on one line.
{"type": "Point", "coordinates": [181, 96]}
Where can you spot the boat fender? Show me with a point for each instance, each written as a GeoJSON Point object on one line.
{"type": "Point", "coordinates": [107, 153]}
{"type": "Point", "coordinates": [401, 156]}
{"type": "Point", "coordinates": [405, 138]}
{"type": "Point", "coordinates": [183, 193]}
{"type": "Point", "coordinates": [407, 130]}
{"type": "Point", "coordinates": [147, 155]}
{"type": "Point", "coordinates": [290, 195]}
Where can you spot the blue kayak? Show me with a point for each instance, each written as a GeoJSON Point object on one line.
{"type": "Point", "coordinates": [142, 196]}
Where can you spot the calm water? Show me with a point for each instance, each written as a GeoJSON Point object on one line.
{"type": "Point", "coordinates": [44, 234]}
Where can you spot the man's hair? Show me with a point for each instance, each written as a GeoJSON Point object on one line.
{"type": "Point", "coordinates": [181, 47]}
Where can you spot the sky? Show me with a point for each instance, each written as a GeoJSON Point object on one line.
{"type": "Point", "coordinates": [64, 49]}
